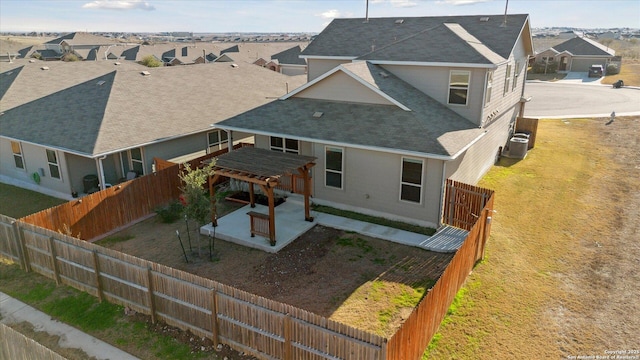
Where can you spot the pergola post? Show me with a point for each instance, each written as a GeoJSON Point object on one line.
{"type": "Point", "coordinates": [212, 198]}
{"type": "Point", "coordinates": [307, 193]}
{"type": "Point", "coordinates": [252, 198]}
{"type": "Point", "coordinates": [268, 189]}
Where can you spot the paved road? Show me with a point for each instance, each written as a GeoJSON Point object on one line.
{"type": "Point", "coordinates": [570, 99]}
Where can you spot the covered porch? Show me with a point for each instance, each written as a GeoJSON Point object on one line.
{"type": "Point", "coordinates": [267, 169]}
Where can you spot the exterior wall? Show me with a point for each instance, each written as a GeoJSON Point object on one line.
{"type": "Point", "coordinates": [547, 53]}
{"type": "Point", "coordinates": [371, 185]}
{"type": "Point", "coordinates": [35, 158]}
{"type": "Point", "coordinates": [79, 167]}
{"type": "Point", "coordinates": [434, 81]}
{"type": "Point", "coordinates": [471, 166]}
{"type": "Point", "coordinates": [317, 67]}
{"type": "Point", "coordinates": [174, 148]}
{"type": "Point", "coordinates": [342, 87]}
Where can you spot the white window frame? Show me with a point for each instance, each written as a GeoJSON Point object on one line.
{"type": "Point", "coordinates": [403, 183]}
{"type": "Point", "coordinates": [284, 147]}
{"type": "Point", "coordinates": [333, 171]}
{"type": "Point", "coordinates": [132, 160]}
{"type": "Point", "coordinates": [487, 95]}
{"type": "Point", "coordinates": [215, 146]}
{"type": "Point", "coordinates": [507, 79]}
{"type": "Point", "coordinates": [55, 164]}
{"type": "Point", "coordinates": [20, 155]}
{"type": "Point", "coordinates": [454, 87]}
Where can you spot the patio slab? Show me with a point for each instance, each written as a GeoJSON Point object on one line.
{"type": "Point", "coordinates": [290, 224]}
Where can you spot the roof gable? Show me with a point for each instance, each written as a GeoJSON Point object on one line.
{"type": "Point", "coordinates": [356, 37]}
{"type": "Point", "coordinates": [290, 56]}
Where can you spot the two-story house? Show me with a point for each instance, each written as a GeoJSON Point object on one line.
{"type": "Point", "coordinates": [395, 106]}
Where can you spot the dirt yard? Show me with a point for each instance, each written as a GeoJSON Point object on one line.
{"type": "Point", "coordinates": [560, 278]}
{"type": "Point", "coordinates": [326, 271]}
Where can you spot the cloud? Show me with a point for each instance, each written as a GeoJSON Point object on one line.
{"type": "Point", "coordinates": [460, 2]}
{"type": "Point", "coordinates": [119, 5]}
{"type": "Point", "coordinates": [397, 3]}
{"type": "Point", "coordinates": [330, 14]}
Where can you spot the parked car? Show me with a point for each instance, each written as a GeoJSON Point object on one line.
{"type": "Point", "coordinates": [596, 71]}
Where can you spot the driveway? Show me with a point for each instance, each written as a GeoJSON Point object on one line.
{"type": "Point", "coordinates": [573, 98]}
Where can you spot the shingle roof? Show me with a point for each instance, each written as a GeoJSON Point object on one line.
{"type": "Point", "coordinates": [290, 56]}
{"type": "Point", "coordinates": [129, 109]}
{"type": "Point", "coordinates": [419, 39]}
{"type": "Point", "coordinates": [583, 46]}
{"type": "Point", "coordinates": [6, 79]}
{"type": "Point", "coordinates": [83, 38]}
{"type": "Point", "coordinates": [429, 128]}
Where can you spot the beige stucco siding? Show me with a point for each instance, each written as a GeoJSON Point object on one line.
{"type": "Point", "coordinates": [434, 81]}
{"type": "Point", "coordinates": [317, 67]}
{"type": "Point", "coordinates": [342, 87]}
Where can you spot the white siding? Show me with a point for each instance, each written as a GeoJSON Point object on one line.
{"type": "Point", "coordinates": [342, 87]}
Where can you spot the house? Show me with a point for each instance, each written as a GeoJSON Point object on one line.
{"type": "Point", "coordinates": [577, 54]}
{"type": "Point", "coordinates": [62, 122]}
{"type": "Point", "coordinates": [81, 44]}
{"type": "Point", "coordinates": [289, 61]}
{"type": "Point", "coordinates": [395, 106]}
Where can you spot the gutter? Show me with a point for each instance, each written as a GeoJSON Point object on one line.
{"type": "Point", "coordinates": [362, 147]}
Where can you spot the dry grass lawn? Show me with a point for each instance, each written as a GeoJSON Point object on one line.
{"type": "Point", "coordinates": [560, 275]}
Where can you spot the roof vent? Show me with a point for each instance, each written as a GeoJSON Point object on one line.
{"type": "Point", "coordinates": [234, 65]}
{"type": "Point", "coordinates": [484, 19]}
{"type": "Point", "coordinates": [145, 73]}
{"type": "Point", "coordinates": [101, 82]}
{"type": "Point", "coordinates": [32, 60]}
{"type": "Point", "coordinates": [9, 73]}
{"type": "Point", "coordinates": [384, 74]}
{"type": "Point", "coordinates": [399, 21]}
{"type": "Point", "coordinates": [318, 114]}
{"type": "Point", "coordinates": [116, 63]}
{"type": "Point", "coordinates": [44, 68]}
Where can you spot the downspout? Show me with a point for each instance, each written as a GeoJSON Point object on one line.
{"type": "Point", "coordinates": [444, 170]}
{"type": "Point", "coordinates": [101, 171]}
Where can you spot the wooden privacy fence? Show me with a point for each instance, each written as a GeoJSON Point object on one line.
{"type": "Point", "coordinates": [14, 345]}
{"type": "Point", "coordinates": [264, 328]}
{"type": "Point", "coordinates": [411, 340]}
{"type": "Point", "coordinates": [530, 126]}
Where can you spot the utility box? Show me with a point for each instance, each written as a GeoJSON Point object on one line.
{"type": "Point", "coordinates": [518, 147]}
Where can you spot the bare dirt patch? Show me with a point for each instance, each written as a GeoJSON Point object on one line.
{"type": "Point", "coordinates": [326, 271]}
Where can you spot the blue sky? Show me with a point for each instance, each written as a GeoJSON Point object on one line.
{"type": "Point", "coordinates": [289, 15]}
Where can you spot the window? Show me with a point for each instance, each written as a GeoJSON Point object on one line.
{"type": "Point", "coordinates": [507, 79]}
{"type": "Point", "coordinates": [52, 160]}
{"type": "Point", "coordinates": [516, 73]}
{"type": "Point", "coordinates": [458, 87]}
{"type": "Point", "coordinates": [411, 182]}
{"type": "Point", "coordinates": [487, 95]}
{"type": "Point", "coordinates": [216, 140]}
{"type": "Point", "coordinates": [285, 145]}
{"type": "Point", "coordinates": [136, 163]}
{"type": "Point", "coordinates": [17, 155]}
{"type": "Point", "coordinates": [333, 167]}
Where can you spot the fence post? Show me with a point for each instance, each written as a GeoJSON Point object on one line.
{"type": "Point", "coordinates": [56, 272]}
{"type": "Point", "coordinates": [152, 304]}
{"type": "Point", "coordinates": [287, 337]}
{"type": "Point", "coordinates": [18, 242]}
{"type": "Point", "coordinates": [96, 269]}
{"type": "Point", "coordinates": [214, 317]}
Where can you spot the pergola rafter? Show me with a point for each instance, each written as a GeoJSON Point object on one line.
{"type": "Point", "coordinates": [266, 169]}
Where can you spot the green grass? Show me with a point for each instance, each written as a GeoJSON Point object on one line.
{"type": "Point", "coordinates": [106, 242]}
{"type": "Point", "coordinates": [18, 202]}
{"type": "Point", "coordinates": [375, 220]}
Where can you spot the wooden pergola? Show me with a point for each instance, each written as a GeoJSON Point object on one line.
{"type": "Point", "coordinates": [265, 168]}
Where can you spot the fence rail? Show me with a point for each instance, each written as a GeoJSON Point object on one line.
{"type": "Point", "coordinates": [262, 327]}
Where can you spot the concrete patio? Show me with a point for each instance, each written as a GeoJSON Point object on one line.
{"type": "Point", "coordinates": [290, 224]}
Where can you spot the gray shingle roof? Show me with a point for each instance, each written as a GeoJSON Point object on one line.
{"type": "Point", "coordinates": [290, 56]}
{"type": "Point", "coordinates": [128, 109]}
{"type": "Point", "coordinates": [429, 128]}
{"type": "Point", "coordinates": [581, 46]}
{"type": "Point", "coordinates": [420, 39]}
{"type": "Point", "coordinates": [83, 38]}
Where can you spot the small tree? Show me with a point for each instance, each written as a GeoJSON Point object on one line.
{"type": "Point", "coordinates": [150, 61]}
{"type": "Point", "coordinates": [196, 202]}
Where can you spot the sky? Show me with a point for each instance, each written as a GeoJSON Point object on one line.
{"type": "Point", "coordinates": [289, 16]}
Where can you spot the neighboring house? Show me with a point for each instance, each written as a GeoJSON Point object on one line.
{"type": "Point", "coordinates": [395, 106]}
{"type": "Point", "coordinates": [64, 121]}
{"type": "Point", "coordinates": [577, 54]}
{"type": "Point", "coordinates": [289, 61]}
{"type": "Point", "coordinates": [570, 34]}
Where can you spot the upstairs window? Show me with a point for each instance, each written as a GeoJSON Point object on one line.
{"type": "Point", "coordinates": [18, 159]}
{"type": "Point", "coordinates": [285, 145]}
{"type": "Point", "coordinates": [411, 181]}
{"type": "Point", "coordinates": [333, 167]}
{"type": "Point", "coordinates": [216, 140]}
{"type": "Point", "coordinates": [54, 167]}
{"type": "Point", "coordinates": [507, 79]}
{"type": "Point", "coordinates": [487, 95]}
{"type": "Point", "coordinates": [458, 87]}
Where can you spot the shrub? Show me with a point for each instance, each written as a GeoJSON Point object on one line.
{"type": "Point", "coordinates": [539, 67]}
{"type": "Point", "coordinates": [612, 69]}
{"type": "Point", "coordinates": [70, 57]}
{"type": "Point", "coordinates": [151, 61]}
{"type": "Point", "coordinates": [170, 213]}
